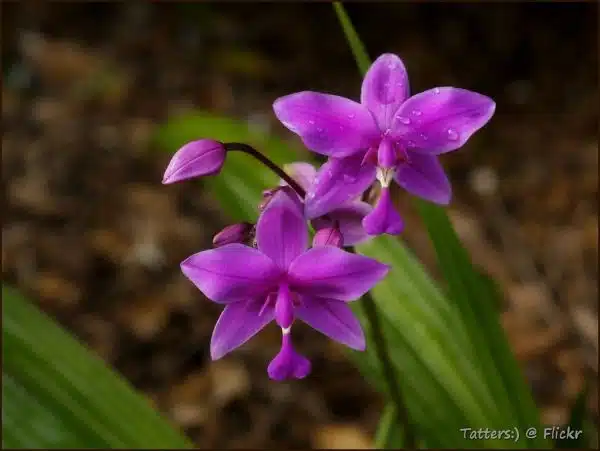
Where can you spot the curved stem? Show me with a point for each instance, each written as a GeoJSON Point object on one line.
{"type": "Point", "coordinates": [241, 147]}
{"type": "Point", "coordinates": [389, 372]}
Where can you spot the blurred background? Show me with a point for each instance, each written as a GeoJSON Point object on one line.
{"type": "Point", "coordinates": [93, 237]}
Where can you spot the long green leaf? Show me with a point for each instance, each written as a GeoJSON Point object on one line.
{"type": "Point", "coordinates": [57, 394]}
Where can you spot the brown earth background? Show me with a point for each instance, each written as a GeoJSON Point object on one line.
{"type": "Point", "coordinates": [92, 236]}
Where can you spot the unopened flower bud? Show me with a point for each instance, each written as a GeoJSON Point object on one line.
{"type": "Point", "coordinates": [195, 159]}
{"type": "Point", "coordinates": [328, 236]}
{"type": "Point", "coordinates": [234, 233]}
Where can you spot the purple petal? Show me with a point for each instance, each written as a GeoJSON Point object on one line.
{"type": "Point", "coordinates": [333, 273]}
{"type": "Point", "coordinates": [231, 273]}
{"type": "Point", "coordinates": [239, 322]}
{"type": "Point", "coordinates": [349, 218]}
{"type": "Point", "coordinates": [384, 218]}
{"type": "Point", "coordinates": [333, 318]}
{"type": "Point", "coordinates": [328, 124]}
{"type": "Point", "coordinates": [288, 364]}
{"type": "Point", "coordinates": [328, 236]}
{"type": "Point", "coordinates": [384, 88]}
{"type": "Point", "coordinates": [338, 181]}
{"type": "Point", "coordinates": [303, 173]}
{"type": "Point", "coordinates": [424, 176]}
{"type": "Point", "coordinates": [281, 232]}
{"type": "Point", "coordinates": [284, 308]}
{"type": "Point", "coordinates": [442, 119]}
{"type": "Point", "coordinates": [195, 159]}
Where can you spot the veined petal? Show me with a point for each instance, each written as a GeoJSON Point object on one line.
{"type": "Point", "coordinates": [281, 231]}
{"type": "Point", "coordinates": [424, 176]}
{"type": "Point", "coordinates": [384, 218]}
{"type": "Point", "coordinates": [303, 173]}
{"type": "Point", "coordinates": [333, 318]}
{"type": "Point", "coordinates": [231, 273]}
{"type": "Point", "coordinates": [330, 272]}
{"type": "Point", "coordinates": [384, 88]}
{"type": "Point", "coordinates": [441, 119]}
{"type": "Point", "coordinates": [328, 124]}
{"type": "Point", "coordinates": [239, 322]}
{"type": "Point", "coordinates": [349, 218]}
{"type": "Point", "coordinates": [338, 181]}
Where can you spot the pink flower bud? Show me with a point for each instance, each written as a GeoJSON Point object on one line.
{"type": "Point", "coordinates": [234, 233]}
{"type": "Point", "coordinates": [195, 159]}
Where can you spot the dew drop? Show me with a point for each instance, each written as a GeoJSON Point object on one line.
{"type": "Point", "coordinates": [423, 136]}
{"type": "Point", "coordinates": [311, 122]}
{"type": "Point", "coordinates": [436, 90]}
{"type": "Point", "coordinates": [452, 134]}
{"type": "Point", "coordinates": [404, 120]}
{"type": "Point", "coordinates": [416, 112]}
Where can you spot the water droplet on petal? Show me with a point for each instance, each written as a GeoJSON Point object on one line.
{"type": "Point", "coordinates": [404, 120]}
{"type": "Point", "coordinates": [452, 134]}
{"type": "Point", "coordinates": [351, 116]}
{"type": "Point", "coordinates": [416, 113]}
{"type": "Point", "coordinates": [311, 122]}
{"type": "Point", "coordinates": [423, 136]}
{"type": "Point", "coordinates": [436, 90]}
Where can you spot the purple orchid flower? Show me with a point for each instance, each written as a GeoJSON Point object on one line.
{"type": "Point", "coordinates": [346, 217]}
{"type": "Point", "coordinates": [389, 135]}
{"type": "Point", "coordinates": [282, 280]}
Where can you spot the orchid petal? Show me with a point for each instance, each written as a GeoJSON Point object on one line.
{"type": "Point", "coordinates": [330, 272]}
{"type": "Point", "coordinates": [441, 120]}
{"type": "Point", "coordinates": [328, 124]}
{"type": "Point", "coordinates": [239, 322]}
{"type": "Point", "coordinates": [338, 181]}
{"type": "Point", "coordinates": [288, 364]}
{"type": "Point", "coordinates": [281, 231]}
{"type": "Point", "coordinates": [333, 318]}
{"type": "Point", "coordinates": [384, 218]}
{"type": "Point", "coordinates": [231, 273]}
{"type": "Point", "coordinates": [424, 176]}
{"type": "Point", "coordinates": [384, 88]}
{"type": "Point", "coordinates": [302, 173]}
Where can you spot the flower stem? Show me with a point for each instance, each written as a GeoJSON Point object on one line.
{"type": "Point", "coordinates": [241, 147]}
{"type": "Point", "coordinates": [388, 369]}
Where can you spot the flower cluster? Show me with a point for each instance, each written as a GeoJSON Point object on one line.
{"type": "Point", "coordinates": [267, 271]}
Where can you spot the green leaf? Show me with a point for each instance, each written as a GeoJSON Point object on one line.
{"type": "Point", "coordinates": [356, 46]}
{"type": "Point", "coordinates": [57, 394]}
{"type": "Point", "coordinates": [389, 434]}
{"type": "Point", "coordinates": [577, 422]}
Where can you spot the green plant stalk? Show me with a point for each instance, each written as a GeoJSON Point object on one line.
{"type": "Point", "coordinates": [388, 370]}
